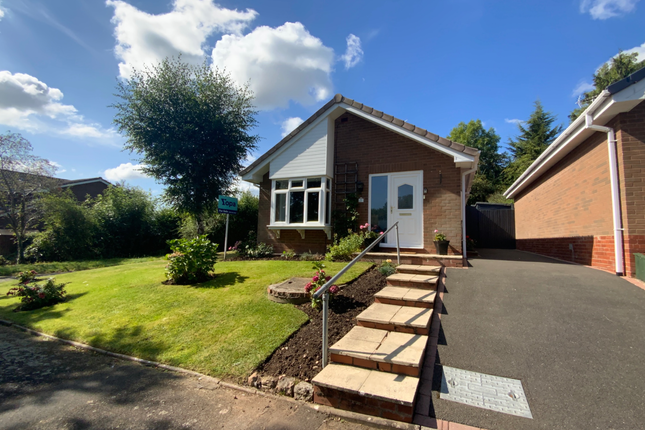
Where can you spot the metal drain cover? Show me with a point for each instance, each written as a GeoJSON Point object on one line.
{"type": "Point", "coordinates": [484, 391]}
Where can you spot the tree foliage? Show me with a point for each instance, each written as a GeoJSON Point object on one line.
{"type": "Point", "coordinates": [190, 125]}
{"type": "Point", "coordinates": [491, 163]}
{"type": "Point", "coordinates": [621, 66]}
{"type": "Point", "coordinates": [536, 134]}
{"type": "Point", "coordinates": [24, 178]}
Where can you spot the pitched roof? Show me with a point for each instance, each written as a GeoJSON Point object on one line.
{"type": "Point", "coordinates": [338, 99]}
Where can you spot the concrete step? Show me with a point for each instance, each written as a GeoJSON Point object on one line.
{"type": "Point", "coordinates": [405, 319]}
{"type": "Point", "coordinates": [418, 269]}
{"type": "Point", "coordinates": [410, 280]}
{"type": "Point", "coordinates": [402, 296]}
{"type": "Point", "coordinates": [381, 350]}
{"type": "Point", "coordinates": [370, 392]}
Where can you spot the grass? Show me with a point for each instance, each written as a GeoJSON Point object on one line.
{"type": "Point", "coordinates": [224, 327]}
{"type": "Point", "coordinates": [71, 266]}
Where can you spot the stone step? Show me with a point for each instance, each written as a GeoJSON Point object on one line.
{"type": "Point", "coordinates": [370, 392]}
{"type": "Point", "coordinates": [381, 350]}
{"type": "Point", "coordinates": [418, 269]}
{"type": "Point", "coordinates": [405, 319]}
{"type": "Point", "coordinates": [410, 280]}
{"type": "Point", "coordinates": [402, 296]}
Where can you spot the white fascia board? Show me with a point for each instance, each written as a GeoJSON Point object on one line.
{"type": "Point", "coordinates": [457, 155]}
{"type": "Point", "coordinates": [103, 181]}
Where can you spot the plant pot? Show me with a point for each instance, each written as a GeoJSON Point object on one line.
{"type": "Point", "coordinates": [368, 241]}
{"type": "Point", "coordinates": [441, 246]}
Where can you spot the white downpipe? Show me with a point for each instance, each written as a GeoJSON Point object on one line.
{"type": "Point", "coordinates": [615, 193]}
{"type": "Point", "coordinates": [463, 211]}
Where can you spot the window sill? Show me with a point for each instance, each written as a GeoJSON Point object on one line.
{"type": "Point", "coordinates": [301, 228]}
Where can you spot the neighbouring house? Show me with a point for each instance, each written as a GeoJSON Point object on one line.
{"type": "Point", "coordinates": [81, 188]}
{"type": "Point", "coordinates": [583, 199]}
{"type": "Point", "coordinates": [399, 172]}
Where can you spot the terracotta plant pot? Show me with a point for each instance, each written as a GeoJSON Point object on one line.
{"type": "Point", "coordinates": [441, 246]}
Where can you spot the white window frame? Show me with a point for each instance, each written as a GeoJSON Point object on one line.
{"type": "Point", "coordinates": [325, 186]}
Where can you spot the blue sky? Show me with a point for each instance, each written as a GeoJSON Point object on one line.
{"type": "Point", "coordinates": [433, 64]}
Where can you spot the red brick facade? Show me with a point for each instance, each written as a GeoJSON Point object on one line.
{"type": "Point", "coordinates": [570, 205]}
{"type": "Point", "coordinates": [378, 150]}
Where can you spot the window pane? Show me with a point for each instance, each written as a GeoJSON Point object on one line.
{"type": "Point", "coordinates": [405, 196]}
{"type": "Point", "coordinates": [378, 203]}
{"type": "Point", "coordinates": [297, 207]}
{"type": "Point", "coordinates": [313, 183]}
{"type": "Point", "coordinates": [328, 211]}
{"type": "Point", "coordinates": [313, 204]}
{"type": "Point", "coordinates": [280, 207]}
{"type": "Point", "coordinates": [297, 183]}
{"type": "Point", "coordinates": [281, 185]}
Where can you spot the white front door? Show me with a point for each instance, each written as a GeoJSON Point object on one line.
{"type": "Point", "coordinates": [398, 197]}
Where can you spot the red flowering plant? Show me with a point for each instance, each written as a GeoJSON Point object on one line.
{"type": "Point", "coordinates": [27, 276]}
{"type": "Point", "coordinates": [36, 296]}
{"type": "Point", "coordinates": [317, 281]}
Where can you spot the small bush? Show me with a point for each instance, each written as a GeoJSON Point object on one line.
{"type": "Point", "coordinates": [309, 256]}
{"type": "Point", "coordinates": [387, 268]}
{"type": "Point", "coordinates": [344, 248]}
{"type": "Point", "coordinates": [3, 261]}
{"type": "Point", "coordinates": [27, 276]}
{"type": "Point", "coordinates": [317, 281]}
{"type": "Point", "coordinates": [288, 254]}
{"type": "Point", "coordinates": [36, 296]}
{"type": "Point", "coordinates": [250, 249]}
{"type": "Point", "coordinates": [191, 261]}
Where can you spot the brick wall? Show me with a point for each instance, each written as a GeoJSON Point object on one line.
{"type": "Point", "coordinates": [378, 150]}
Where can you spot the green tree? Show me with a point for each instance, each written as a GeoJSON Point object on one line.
{"type": "Point", "coordinates": [491, 162]}
{"type": "Point", "coordinates": [24, 178]}
{"type": "Point", "coordinates": [536, 135]}
{"type": "Point", "coordinates": [621, 66]}
{"type": "Point", "coordinates": [190, 125]}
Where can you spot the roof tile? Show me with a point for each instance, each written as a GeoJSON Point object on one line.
{"type": "Point", "coordinates": [397, 121]}
{"type": "Point", "coordinates": [444, 142]}
{"type": "Point", "coordinates": [432, 136]}
{"type": "Point", "coordinates": [367, 109]}
{"type": "Point", "coordinates": [377, 113]}
{"type": "Point", "coordinates": [387, 117]}
{"type": "Point", "coordinates": [458, 146]}
{"type": "Point", "coordinates": [420, 131]}
{"type": "Point", "coordinates": [408, 126]}
{"type": "Point", "coordinates": [357, 105]}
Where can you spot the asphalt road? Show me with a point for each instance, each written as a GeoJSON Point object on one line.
{"type": "Point", "coordinates": [574, 336]}
{"type": "Point", "coordinates": [48, 385]}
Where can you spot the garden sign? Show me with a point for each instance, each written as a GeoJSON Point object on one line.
{"type": "Point", "coordinates": [226, 205]}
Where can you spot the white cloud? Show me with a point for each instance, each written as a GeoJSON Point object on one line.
{"type": "Point", "coordinates": [242, 185]}
{"type": "Point", "coordinates": [1, 14]}
{"type": "Point", "coordinates": [290, 124]}
{"type": "Point", "coordinates": [143, 38]}
{"type": "Point", "coordinates": [249, 160]}
{"type": "Point", "coordinates": [354, 53]}
{"type": "Point", "coordinates": [280, 64]}
{"type": "Point", "coordinates": [605, 9]}
{"type": "Point", "coordinates": [582, 88]}
{"type": "Point", "coordinates": [58, 167]}
{"type": "Point", "coordinates": [640, 50]}
{"type": "Point", "coordinates": [513, 121]}
{"type": "Point", "coordinates": [125, 171]}
{"type": "Point", "coordinates": [88, 131]}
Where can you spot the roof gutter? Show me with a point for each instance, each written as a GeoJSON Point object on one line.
{"type": "Point", "coordinates": [619, 247]}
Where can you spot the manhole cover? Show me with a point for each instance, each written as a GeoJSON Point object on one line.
{"type": "Point", "coordinates": [290, 291]}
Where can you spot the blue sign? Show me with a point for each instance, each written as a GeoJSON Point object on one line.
{"type": "Point", "coordinates": [227, 205]}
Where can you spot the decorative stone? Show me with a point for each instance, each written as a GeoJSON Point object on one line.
{"type": "Point", "coordinates": [290, 291]}
{"type": "Point", "coordinates": [285, 386]}
{"type": "Point", "coordinates": [254, 379]}
{"type": "Point", "coordinates": [304, 391]}
{"type": "Point", "coordinates": [268, 382]}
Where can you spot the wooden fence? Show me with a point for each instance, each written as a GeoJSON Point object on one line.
{"type": "Point", "coordinates": [491, 228]}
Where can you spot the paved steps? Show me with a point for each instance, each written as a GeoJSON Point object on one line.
{"type": "Point", "coordinates": [370, 392]}
{"type": "Point", "coordinates": [411, 280]}
{"type": "Point", "coordinates": [381, 350]}
{"type": "Point", "coordinates": [419, 269]}
{"type": "Point", "coordinates": [405, 319]}
{"type": "Point", "coordinates": [402, 296]}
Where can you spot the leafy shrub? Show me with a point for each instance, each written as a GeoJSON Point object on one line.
{"type": "Point", "coordinates": [27, 276]}
{"type": "Point", "coordinates": [261, 250]}
{"type": "Point", "coordinates": [309, 256]}
{"type": "Point", "coordinates": [36, 296]}
{"type": "Point", "coordinates": [344, 248]}
{"type": "Point", "coordinates": [288, 254]}
{"type": "Point", "coordinates": [387, 268]}
{"type": "Point", "coordinates": [3, 261]}
{"type": "Point", "coordinates": [317, 281]}
{"type": "Point", "coordinates": [191, 260]}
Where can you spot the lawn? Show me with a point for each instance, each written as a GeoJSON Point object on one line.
{"type": "Point", "coordinates": [223, 328]}
{"type": "Point", "coordinates": [70, 266]}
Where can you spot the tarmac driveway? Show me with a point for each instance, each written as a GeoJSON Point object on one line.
{"type": "Point", "coordinates": [574, 336]}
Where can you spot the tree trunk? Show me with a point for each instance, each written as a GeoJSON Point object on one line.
{"type": "Point", "coordinates": [19, 248]}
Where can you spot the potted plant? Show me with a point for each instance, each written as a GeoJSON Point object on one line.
{"type": "Point", "coordinates": [369, 236]}
{"type": "Point", "coordinates": [440, 243]}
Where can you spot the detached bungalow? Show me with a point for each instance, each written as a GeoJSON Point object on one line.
{"type": "Point", "coordinates": [583, 199]}
{"type": "Point", "coordinates": [398, 171]}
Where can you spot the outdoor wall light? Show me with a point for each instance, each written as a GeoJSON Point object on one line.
{"type": "Point", "coordinates": [359, 187]}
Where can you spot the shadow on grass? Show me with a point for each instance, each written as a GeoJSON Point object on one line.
{"type": "Point", "coordinates": [223, 280]}
{"type": "Point", "coordinates": [46, 312]}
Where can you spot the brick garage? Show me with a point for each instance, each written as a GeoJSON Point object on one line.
{"type": "Point", "coordinates": [565, 210]}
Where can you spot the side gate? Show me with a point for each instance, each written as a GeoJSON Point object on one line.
{"type": "Point", "coordinates": [491, 226]}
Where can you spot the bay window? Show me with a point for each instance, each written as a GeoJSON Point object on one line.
{"type": "Point", "coordinates": [301, 202]}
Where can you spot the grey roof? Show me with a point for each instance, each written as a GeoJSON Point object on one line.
{"type": "Point", "coordinates": [339, 98]}
{"type": "Point", "coordinates": [625, 82]}
{"type": "Point", "coordinates": [70, 182]}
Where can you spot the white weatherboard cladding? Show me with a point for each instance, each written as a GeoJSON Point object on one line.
{"type": "Point", "coordinates": [307, 156]}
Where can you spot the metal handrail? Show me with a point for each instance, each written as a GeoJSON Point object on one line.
{"type": "Point", "coordinates": [324, 290]}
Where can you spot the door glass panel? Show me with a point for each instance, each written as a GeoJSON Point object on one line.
{"type": "Point", "coordinates": [405, 193]}
{"type": "Point", "coordinates": [378, 203]}
{"type": "Point", "coordinates": [297, 207]}
{"type": "Point", "coordinates": [280, 207]}
{"type": "Point", "coordinates": [313, 205]}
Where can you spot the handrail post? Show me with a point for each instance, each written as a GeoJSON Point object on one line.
{"type": "Point", "coordinates": [398, 249]}
{"type": "Point", "coordinates": [325, 300]}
